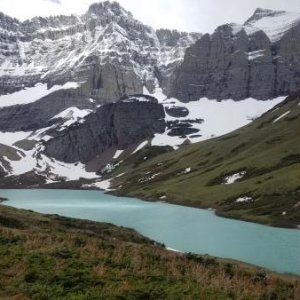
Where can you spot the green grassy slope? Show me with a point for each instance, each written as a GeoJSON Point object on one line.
{"type": "Point", "coordinates": [51, 257]}
{"type": "Point", "coordinates": [268, 152]}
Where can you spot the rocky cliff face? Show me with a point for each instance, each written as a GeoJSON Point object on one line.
{"type": "Point", "coordinates": [259, 59]}
{"type": "Point", "coordinates": [39, 114]}
{"type": "Point", "coordinates": [115, 125]}
{"type": "Point", "coordinates": [106, 48]}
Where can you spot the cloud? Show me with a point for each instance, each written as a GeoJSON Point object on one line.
{"type": "Point", "coordinates": [186, 15]}
{"type": "Point", "coordinates": [55, 1]}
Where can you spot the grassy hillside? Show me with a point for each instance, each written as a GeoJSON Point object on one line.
{"type": "Point", "coordinates": [51, 257]}
{"type": "Point", "coordinates": [267, 151]}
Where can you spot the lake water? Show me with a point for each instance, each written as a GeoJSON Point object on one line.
{"type": "Point", "coordinates": [178, 227]}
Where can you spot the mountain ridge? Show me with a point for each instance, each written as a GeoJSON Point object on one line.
{"type": "Point", "coordinates": [235, 60]}
{"type": "Point", "coordinates": [106, 55]}
{"type": "Point", "coordinates": [106, 29]}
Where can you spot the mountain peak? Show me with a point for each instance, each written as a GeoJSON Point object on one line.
{"type": "Point", "coordinates": [108, 7]}
{"type": "Point", "coordinates": [5, 19]}
{"type": "Point", "coordinates": [274, 23]}
{"type": "Point", "coordinates": [261, 13]}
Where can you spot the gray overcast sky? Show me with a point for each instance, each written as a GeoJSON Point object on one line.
{"type": "Point", "coordinates": [186, 15]}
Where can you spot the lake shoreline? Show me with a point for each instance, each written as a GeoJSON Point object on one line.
{"type": "Point", "coordinates": [225, 274]}
{"type": "Point", "coordinates": [179, 209]}
{"type": "Point", "coordinates": [216, 211]}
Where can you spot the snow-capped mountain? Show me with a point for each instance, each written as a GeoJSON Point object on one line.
{"type": "Point", "coordinates": [274, 23]}
{"type": "Point", "coordinates": [57, 49]}
{"type": "Point", "coordinates": [76, 91]}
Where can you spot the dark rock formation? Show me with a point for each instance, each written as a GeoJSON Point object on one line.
{"type": "Point", "coordinates": [218, 67]}
{"type": "Point", "coordinates": [116, 125]}
{"type": "Point", "coordinates": [237, 62]}
{"type": "Point", "coordinates": [183, 128]}
{"type": "Point", "coordinates": [177, 111]}
{"type": "Point", "coordinates": [36, 115]}
{"type": "Point", "coordinates": [287, 62]}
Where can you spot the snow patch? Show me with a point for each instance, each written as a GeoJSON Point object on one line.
{"type": "Point", "coordinates": [281, 117]}
{"type": "Point", "coordinates": [120, 175]}
{"type": "Point", "coordinates": [255, 54]}
{"type": "Point", "coordinates": [217, 116]}
{"type": "Point", "coordinates": [69, 171]}
{"type": "Point", "coordinates": [185, 171]}
{"type": "Point", "coordinates": [141, 146]}
{"type": "Point", "coordinates": [149, 178]}
{"type": "Point", "coordinates": [34, 160]}
{"type": "Point", "coordinates": [103, 185]}
{"type": "Point", "coordinates": [24, 165]}
{"type": "Point", "coordinates": [297, 204]}
{"type": "Point", "coordinates": [137, 99]}
{"type": "Point", "coordinates": [173, 250]}
{"type": "Point", "coordinates": [236, 28]}
{"type": "Point", "coordinates": [163, 139]}
{"type": "Point", "coordinates": [158, 94]}
{"type": "Point", "coordinates": [9, 138]}
{"type": "Point", "coordinates": [244, 199]}
{"type": "Point", "coordinates": [32, 94]}
{"type": "Point", "coordinates": [274, 24]}
{"type": "Point", "coordinates": [71, 115]}
{"type": "Point", "coordinates": [233, 178]}
{"type": "Point", "coordinates": [118, 153]}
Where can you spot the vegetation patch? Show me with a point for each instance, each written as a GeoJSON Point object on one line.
{"type": "Point", "coordinates": [290, 160]}
{"type": "Point", "coordinates": [9, 222]}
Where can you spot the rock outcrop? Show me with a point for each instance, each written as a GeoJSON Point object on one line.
{"type": "Point", "coordinates": [36, 115]}
{"type": "Point", "coordinates": [116, 125]}
{"type": "Point", "coordinates": [241, 61]}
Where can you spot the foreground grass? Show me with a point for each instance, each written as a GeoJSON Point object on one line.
{"type": "Point", "coordinates": [268, 151]}
{"type": "Point", "coordinates": [51, 257]}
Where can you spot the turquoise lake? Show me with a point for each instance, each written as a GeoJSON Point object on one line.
{"type": "Point", "coordinates": [178, 227]}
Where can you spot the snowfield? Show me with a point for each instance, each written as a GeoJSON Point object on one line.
{"type": "Point", "coordinates": [32, 94]}
{"type": "Point", "coordinates": [118, 153]}
{"type": "Point", "coordinates": [71, 115]}
{"type": "Point", "coordinates": [274, 24]}
{"type": "Point", "coordinates": [220, 117]}
{"type": "Point", "coordinates": [49, 167]}
{"type": "Point", "coordinates": [102, 185]}
{"type": "Point", "coordinates": [141, 146]}
{"type": "Point", "coordinates": [9, 138]}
